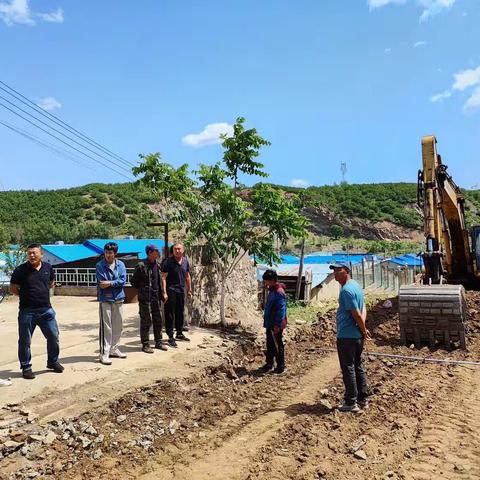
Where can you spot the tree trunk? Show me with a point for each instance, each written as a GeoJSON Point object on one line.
{"type": "Point", "coordinates": [300, 271]}
{"type": "Point", "coordinates": [222, 301]}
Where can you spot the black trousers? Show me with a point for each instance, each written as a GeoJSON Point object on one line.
{"type": "Point", "coordinates": [275, 348]}
{"type": "Point", "coordinates": [354, 376]}
{"type": "Point", "coordinates": [174, 312]}
{"type": "Point", "coordinates": [150, 314]}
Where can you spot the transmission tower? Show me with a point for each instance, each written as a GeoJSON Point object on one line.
{"type": "Point", "coordinates": [343, 169]}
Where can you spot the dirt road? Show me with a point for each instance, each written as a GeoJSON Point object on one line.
{"type": "Point", "coordinates": [229, 421]}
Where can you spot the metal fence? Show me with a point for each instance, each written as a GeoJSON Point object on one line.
{"type": "Point", "coordinates": [382, 275]}
{"type": "Point", "coordinates": [81, 277]}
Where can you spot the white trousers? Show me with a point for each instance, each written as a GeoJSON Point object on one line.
{"type": "Point", "coordinates": [111, 326]}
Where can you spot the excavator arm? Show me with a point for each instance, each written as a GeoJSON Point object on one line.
{"type": "Point", "coordinates": [447, 251]}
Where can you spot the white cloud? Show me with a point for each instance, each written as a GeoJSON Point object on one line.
{"type": "Point", "coordinates": [19, 12]}
{"type": "Point", "coordinates": [441, 96]}
{"type": "Point", "coordinates": [388, 51]}
{"type": "Point", "coordinates": [430, 7]}
{"type": "Point", "coordinates": [466, 78]}
{"type": "Point", "coordinates": [473, 101]}
{"type": "Point", "coordinates": [381, 3]}
{"type": "Point", "coordinates": [48, 103]}
{"type": "Point", "coordinates": [420, 43]}
{"type": "Point", "coordinates": [299, 183]}
{"type": "Point", "coordinates": [52, 17]}
{"type": "Point", "coordinates": [16, 11]}
{"type": "Point", "coordinates": [433, 7]}
{"type": "Point", "coordinates": [209, 136]}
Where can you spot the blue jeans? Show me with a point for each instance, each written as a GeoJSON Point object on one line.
{"type": "Point", "coordinates": [28, 319]}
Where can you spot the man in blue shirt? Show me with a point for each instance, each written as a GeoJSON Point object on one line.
{"type": "Point", "coordinates": [351, 334]}
{"type": "Point", "coordinates": [111, 277]}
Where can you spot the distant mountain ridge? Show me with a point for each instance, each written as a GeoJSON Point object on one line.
{"type": "Point", "coordinates": [370, 211]}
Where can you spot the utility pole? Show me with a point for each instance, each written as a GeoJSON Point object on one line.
{"type": "Point", "coordinates": [165, 236]}
{"type": "Point", "coordinates": [300, 270]}
{"type": "Point", "coordinates": [343, 169]}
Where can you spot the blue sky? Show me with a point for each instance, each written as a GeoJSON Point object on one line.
{"type": "Point", "coordinates": [325, 81]}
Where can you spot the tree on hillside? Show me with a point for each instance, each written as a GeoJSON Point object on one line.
{"type": "Point", "coordinates": [211, 213]}
{"type": "Point", "coordinates": [4, 237]}
{"type": "Point", "coordinates": [336, 231]}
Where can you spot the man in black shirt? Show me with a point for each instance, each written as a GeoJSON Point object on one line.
{"type": "Point", "coordinates": [175, 275]}
{"type": "Point", "coordinates": [146, 279]}
{"type": "Point", "coordinates": [32, 282]}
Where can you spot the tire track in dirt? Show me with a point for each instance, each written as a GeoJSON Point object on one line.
{"type": "Point", "coordinates": [449, 444]}
{"type": "Point", "coordinates": [243, 443]}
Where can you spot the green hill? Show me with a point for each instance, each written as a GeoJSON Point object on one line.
{"type": "Point", "coordinates": [112, 210]}
{"type": "Point", "coordinates": [74, 214]}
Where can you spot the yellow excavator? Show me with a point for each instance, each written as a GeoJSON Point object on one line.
{"type": "Point", "coordinates": [435, 312]}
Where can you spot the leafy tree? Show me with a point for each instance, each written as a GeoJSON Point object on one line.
{"type": "Point", "coordinates": [4, 237]}
{"type": "Point", "coordinates": [336, 231]}
{"type": "Point", "coordinates": [211, 213]}
{"type": "Point", "coordinates": [12, 260]}
{"type": "Point", "coordinates": [240, 151]}
{"type": "Point", "coordinates": [347, 244]}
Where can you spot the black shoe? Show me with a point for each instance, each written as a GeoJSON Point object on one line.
{"type": "Point", "coordinates": [172, 342]}
{"type": "Point", "coordinates": [279, 370]}
{"type": "Point", "coordinates": [266, 368]}
{"type": "Point", "coordinates": [182, 337]}
{"type": "Point", "coordinates": [28, 374]}
{"type": "Point", "coordinates": [56, 367]}
{"type": "Point", "coordinates": [147, 349]}
{"type": "Point", "coordinates": [160, 346]}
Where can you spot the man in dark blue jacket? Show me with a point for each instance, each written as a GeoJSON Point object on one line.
{"type": "Point", "coordinates": [146, 279]}
{"type": "Point", "coordinates": [274, 321]}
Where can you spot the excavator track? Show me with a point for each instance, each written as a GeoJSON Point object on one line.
{"type": "Point", "coordinates": [433, 314]}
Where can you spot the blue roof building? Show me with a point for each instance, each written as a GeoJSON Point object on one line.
{"type": "Point", "coordinates": [408, 260]}
{"type": "Point", "coordinates": [125, 246]}
{"type": "Point", "coordinates": [66, 253]}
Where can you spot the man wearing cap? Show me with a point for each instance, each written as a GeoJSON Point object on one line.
{"type": "Point", "coordinates": [351, 334]}
{"type": "Point", "coordinates": [147, 280]}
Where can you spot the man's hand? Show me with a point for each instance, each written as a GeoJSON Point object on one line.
{"type": "Point", "coordinates": [165, 298]}
{"type": "Point", "coordinates": [276, 329]}
{"type": "Point", "coordinates": [189, 294]}
{"type": "Point", "coordinates": [105, 284]}
{"type": "Point", "coordinates": [366, 335]}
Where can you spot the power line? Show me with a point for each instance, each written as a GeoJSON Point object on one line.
{"type": "Point", "coordinates": [57, 131]}
{"type": "Point", "coordinates": [47, 145]}
{"type": "Point", "coordinates": [29, 103]}
{"type": "Point", "coordinates": [63, 141]}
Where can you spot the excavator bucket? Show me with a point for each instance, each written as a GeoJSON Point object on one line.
{"type": "Point", "coordinates": [433, 314]}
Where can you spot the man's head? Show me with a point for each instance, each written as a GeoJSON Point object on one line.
{"type": "Point", "coordinates": [34, 253]}
{"type": "Point", "coordinates": [341, 271]}
{"type": "Point", "coordinates": [152, 252]}
{"type": "Point", "coordinates": [270, 278]}
{"type": "Point", "coordinates": [178, 250]}
{"type": "Point", "coordinates": [110, 250]}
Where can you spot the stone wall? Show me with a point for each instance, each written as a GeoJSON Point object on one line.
{"type": "Point", "coordinates": [241, 301]}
